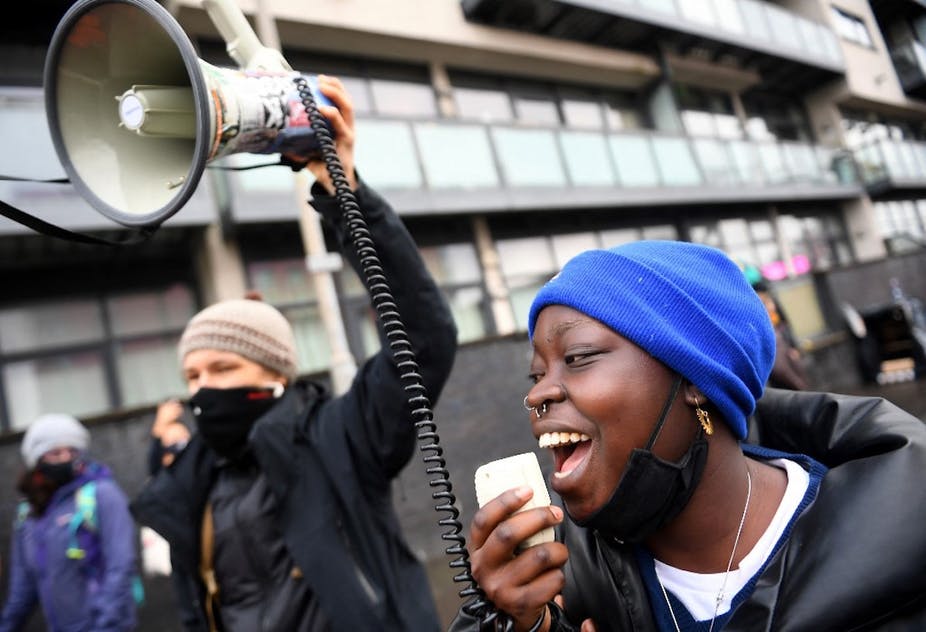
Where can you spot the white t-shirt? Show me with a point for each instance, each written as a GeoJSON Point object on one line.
{"type": "Point", "coordinates": [698, 591]}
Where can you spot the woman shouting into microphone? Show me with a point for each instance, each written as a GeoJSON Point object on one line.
{"type": "Point", "coordinates": [693, 499]}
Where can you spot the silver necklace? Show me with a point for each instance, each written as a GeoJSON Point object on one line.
{"type": "Point", "coordinates": [726, 575]}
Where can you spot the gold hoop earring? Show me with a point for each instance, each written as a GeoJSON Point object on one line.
{"type": "Point", "coordinates": [703, 418]}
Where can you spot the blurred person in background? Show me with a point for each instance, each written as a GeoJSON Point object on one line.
{"type": "Point", "coordinates": [279, 510]}
{"type": "Point", "coordinates": [74, 546]}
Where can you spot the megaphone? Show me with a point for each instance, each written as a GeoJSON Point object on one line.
{"type": "Point", "coordinates": [135, 115]}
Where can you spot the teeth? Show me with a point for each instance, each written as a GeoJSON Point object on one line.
{"type": "Point", "coordinates": [555, 439]}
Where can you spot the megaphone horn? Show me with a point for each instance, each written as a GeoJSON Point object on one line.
{"type": "Point", "coordinates": [135, 115]}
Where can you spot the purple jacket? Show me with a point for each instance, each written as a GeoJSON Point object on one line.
{"type": "Point", "coordinates": [93, 594]}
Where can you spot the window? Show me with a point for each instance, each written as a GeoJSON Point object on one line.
{"type": "Point", "coordinates": [498, 100]}
{"type": "Point", "coordinates": [535, 104]}
{"type": "Point", "coordinates": [774, 117]}
{"type": "Point", "coordinates": [851, 27]}
{"type": "Point", "coordinates": [287, 285]}
{"type": "Point", "coordinates": [86, 355]}
{"type": "Point", "coordinates": [707, 113]}
{"type": "Point", "coordinates": [581, 111]}
{"type": "Point", "coordinates": [527, 263]}
{"type": "Point", "coordinates": [902, 223]}
{"type": "Point", "coordinates": [483, 104]}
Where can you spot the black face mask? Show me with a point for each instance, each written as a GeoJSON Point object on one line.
{"type": "Point", "coordinates": [58, 474]}
{"type": "Point", "coordinates": [652, 491]}
{"type": "Point", "coordinates": [224, 416]}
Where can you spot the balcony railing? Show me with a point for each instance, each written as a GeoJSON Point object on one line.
{"type": "Point", "coordinates": [761, 23]}
{"type": "Point", "coordinates": [468, 156]}
{"type": "Point", "coordinates": [888, 161]}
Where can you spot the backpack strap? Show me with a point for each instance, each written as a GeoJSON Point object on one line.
{"type": "Point", "coordinates": [84, 514]}
{"type": "Point", "coordinates": [23, 511]}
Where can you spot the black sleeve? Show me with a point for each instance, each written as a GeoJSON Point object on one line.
{"type": "Point", "coordinates": [375, 413]}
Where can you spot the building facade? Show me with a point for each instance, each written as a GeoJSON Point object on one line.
{"type": "Point", "coordinates": [510, 135]}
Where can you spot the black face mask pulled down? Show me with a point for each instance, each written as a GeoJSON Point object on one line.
{"type": "Point", "coordinates": [224, 416]}
{"type": "Point", "coordinates": [652, 491]}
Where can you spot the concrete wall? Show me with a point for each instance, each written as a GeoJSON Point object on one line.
{"type": "Point", "coordinates": [869, 72]}
{"type": "Point", "coordinates": [433, 30]}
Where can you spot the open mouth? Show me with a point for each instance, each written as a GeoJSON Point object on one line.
{"type": "Point", "coordinates": [569, 450]}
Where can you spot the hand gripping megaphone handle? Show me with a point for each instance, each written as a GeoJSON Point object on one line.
{"type": "Point", "coordinates": [404, 356]}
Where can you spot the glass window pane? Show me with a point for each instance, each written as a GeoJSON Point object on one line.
{"type": "Point", "coordinates": [312, 348]}
{"type": "Point", "coordinates": [565, 247]}
{"type": "Point", "coordinates": [468, 307]}
{"type": "Point", "coordinates": [698, 11]}
{"type": "Point", "coordinates": [528, 256]}
{"type": "Point", "coordinates": [149, 312]}
{"type": "Point", "coordinates": [268, 178]}
{"type": "Point", "coordinates": [715, 161]}
{"type": "Point", "coordinates": [582, 114]}
{"type": "Point", "coordinates": [403, 98]}
{"type": "Point", "coordinates": [148, 371]}
{"type": "Point", "coordinates": [529, 157]}
{"type": "Point", "coordinates": [801, 161]}
{"type": "Point", "coordinates": [452, 263]}
{"type": "Point", "coordinates": [698, 123]}
{"type": "Point", "coordinates": [537, 112]}
{"type": "Point", "coordinates": [483, 104]}
{"type": "Point", "coordinates": [359, 91]}
{"type": "Point", "coordinates": [47, 325]}
{"type": "Point", "coordinates": [662, 6]}
{"type": "Point", "coordinates": [386, 155]}
{"type": "Point", "coordinates": [728, 126]}
{"type": "Point", "coordinates": [635, 163]}
{"type": "Point", "coordinates": [810, 37]}
{"type": "Point", "coordinates": [747, 163]}
{"type": "Point", "coordinates": [74, 383]}
{"type": "Point", "coordinates": [622, 114]}
{"type": "Point", "coordinates": [587, 159]}
{"type": "Point", "coordinates": [761, 229]}
{"type": "Point", "coordinates": [662, 231]}
{"type": "Point", "coordinates": [281, 282]}
{"type": "Point", "coordinates": [755, 19]}
{"type": "Point", "coordinates": [728, 15]}
{"type": "Point", "coordinates": [676, 164]}
{"type": "Point", "coordinates": [521, 294]}
{"type": "Point", "coordinates": [24, 124]}
{"type": "Point", "coordinates": [784, 26]}
{"type": "Point", "coordinates": [773, 164]}
{"type": "Point", "coordinates": [456, 155]}
{"type": "Point", "coordinates": [619, 236]}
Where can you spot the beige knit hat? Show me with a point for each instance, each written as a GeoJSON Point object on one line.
{"type": "Point", "coordinates": [251, 328]}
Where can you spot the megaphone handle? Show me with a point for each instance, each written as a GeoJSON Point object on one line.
{"type": "Point", "coordinates": [241, 41]}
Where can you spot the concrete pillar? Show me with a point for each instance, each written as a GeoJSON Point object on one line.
{"type": "Point", "coordinates": [220, 271]}
{"type": "Point", "coordinates": [494, 280]}
{"type": "Point", "coordinates": [440, 79]}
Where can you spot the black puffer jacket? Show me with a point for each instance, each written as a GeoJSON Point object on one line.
{"type": "Point", "coordinates": [330, 462]}
{"type": "Point", "coordinates": [855, 560]}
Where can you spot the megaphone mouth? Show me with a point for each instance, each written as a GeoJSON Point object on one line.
{"type": "Point", "coordinates": [100, 50]}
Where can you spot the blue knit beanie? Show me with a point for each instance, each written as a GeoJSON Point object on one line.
{"type": "Point", "coordinates": [687, 305]}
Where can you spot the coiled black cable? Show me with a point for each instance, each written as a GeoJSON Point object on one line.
{"type": "Point", "coordinates": [390, 320]}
